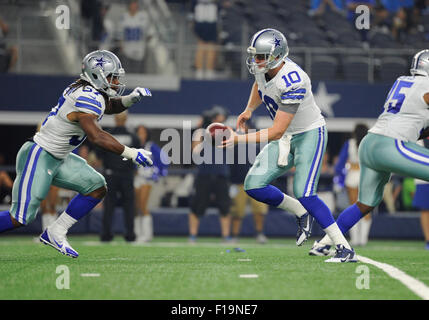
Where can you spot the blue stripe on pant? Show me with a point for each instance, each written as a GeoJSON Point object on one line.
{"type": "Point", "coordinates": [24, 196]}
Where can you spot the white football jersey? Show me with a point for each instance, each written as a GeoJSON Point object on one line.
{"type": "Point", "coordinates": [290, 90]}
{"type": "Point", "coordinates": [134, 32]}
{"type": "Point", "coordinates": [60, 136]}
{"type": "Point", "coordinates": [405, 113]}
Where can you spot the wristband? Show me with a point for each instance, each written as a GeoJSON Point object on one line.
{"type": "Point", "coordinates": [129, 153]}
{"type": "Point", "coordinates": [127, 101]}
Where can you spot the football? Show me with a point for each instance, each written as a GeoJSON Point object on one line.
{"type": "Point", "coordinates": [219, 131]}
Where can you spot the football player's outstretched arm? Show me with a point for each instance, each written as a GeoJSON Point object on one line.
{"type": "Point", "coordinates": [101, 138]}
{"type": "Point", "coordinates": [280, 124]}
{"type": "Point", "coordinates": [252, 104]}
{"type": "Point", "coordinates": [117, 105]}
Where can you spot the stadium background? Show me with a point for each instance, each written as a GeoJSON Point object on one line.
{"type": "Point", "coordinates": [350, 80]}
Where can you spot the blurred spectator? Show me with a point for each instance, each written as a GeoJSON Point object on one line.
{"type": "Point", "coordinates": [211, 178]}
{"type": "Point", "coordinates": [421, 201]}
{"type": "Point", "coordinates": [318, 7]}
{"type": "Point", "coordinates": [6, 184]}
{"type": "Point", "coordinates": [349, 162]}
{"type": "Point", "coordinates": [146, 177]}
{"type": "Point", "coordinates": [136, 31]}
{"type": "Point", "coordinates": [205, 18]}
{"type": "Point", "coordinates": [393, 14]}
{"type": "Point", "coordinates": [91, 12]}
{"type": "Point", "coordinates": [8, 55]}
{"type": "Point", "coordinates": [240, 199]}
{"type": "Point", "coordinates": [107, 36]}
{"type": "Point", "coordinates": [119, 176]}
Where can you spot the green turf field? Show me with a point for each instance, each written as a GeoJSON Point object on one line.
{"type": "Point", "coordinates": [170, 268]}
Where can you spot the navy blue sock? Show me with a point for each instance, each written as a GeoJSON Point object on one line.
{"type": "Point", "coordinates": [269, 195]}
{"type": "Point", "coordinates": [348, 218]}
{"type": "Point", "coordinates": [5, 221]}
{"type": "Point", "coordinates": [318, 209]}
{"type": "Point", "coordinates": [80, 205]}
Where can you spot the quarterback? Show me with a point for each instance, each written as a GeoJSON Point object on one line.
{"type": "Point", "coordinates": [48, 159]}
{"type": "Point", "coordinates": [391, 145]}
{"type": "Point", "coordinates": [297, 138]}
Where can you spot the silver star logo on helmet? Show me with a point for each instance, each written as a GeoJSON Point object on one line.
{"type": "Point", "coordinates": [276, 42]}
{"type": "Point", "coordinates": [100, 63]}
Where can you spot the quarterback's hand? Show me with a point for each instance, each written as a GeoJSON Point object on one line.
{"type": "Point", "coordinates": [140, 157]}
{"type": "Point", "coordinates": [231, 141]}
{"type": "Point", "coordinates": [135, 96]}
{"type": "Point", "coordinates": [241, 120]}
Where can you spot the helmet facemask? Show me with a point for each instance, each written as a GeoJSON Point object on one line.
{"type": "Point", "coordinates": [112, 89]}
{"type": "Point", "coordinates": [268, 61]}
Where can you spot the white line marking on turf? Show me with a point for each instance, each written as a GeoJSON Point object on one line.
{"type": "Point", "coordinates": [244, 259]}
{"type": "Point", "coordinates": [89, 274]}
{"type": "Point", "coordinates": [249, 276]}
{"type": "Point", "coordinates": [416, 286]}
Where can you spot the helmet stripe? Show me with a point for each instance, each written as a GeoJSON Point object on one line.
{"type": "Point", "coordinates": [261, 32]}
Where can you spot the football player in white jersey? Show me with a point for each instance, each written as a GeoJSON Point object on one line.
{"type": "Point", "coordinates": [48, 159]}
{"type": "Point", "coordinates": [297, 138]}
{"type": "Point", "coordinates": [390, 145]}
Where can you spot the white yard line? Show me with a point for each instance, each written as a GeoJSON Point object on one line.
{"type": "Point", "coordinates": [416, 286]}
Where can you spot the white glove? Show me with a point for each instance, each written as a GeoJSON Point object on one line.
{"type": "Point", "coordinates": [140, 157]}
{"type": "Point", "coordinates": [135, 96]}
{"type": "Point", "coordinates": [284, 149]}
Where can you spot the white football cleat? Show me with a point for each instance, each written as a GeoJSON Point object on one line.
{"type": "Point", "coordinates": [343, 255]}
{"type": "Point", "coordinates": [58, 242]}
{"type": "Point", "coordinates": [320, 250]}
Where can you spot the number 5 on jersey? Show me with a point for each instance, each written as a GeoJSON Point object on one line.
{"type": "Point", "coordinates": [395, 98]}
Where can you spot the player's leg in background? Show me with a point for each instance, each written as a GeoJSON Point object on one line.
{"type": "Point", "coordinates": [220, 188]}
{"type": "Point", "coordinates": [30, 187]}
{"type": "Point", "coordinates": [310, 148]}
{"type": "Point", "coordinates": [199, 203]}
{"type": "Point", "coordinates": [128, 204]}
{"type": "Point", "coordinates": [110, 202]}
{"type": "Point", "coordinates": [259, 211]}
{"type": "Point", "coordinates": [143, 221]}
{"type": "Point", "coordinates": [421, 202]}
{"type": "Point", "coordinates": [6, 183]}
{"type": "Point", "coordinates": [424, 221]}
{"type": "Point", "coordinates": [199, 59]}
{"type": "Point", "coordinates": [237, 211]}
{"type": "Point", "coordinates": [49, 207]}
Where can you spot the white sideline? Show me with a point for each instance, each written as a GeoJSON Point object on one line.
{"type": "Point", "coordinates": [416, 286]}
